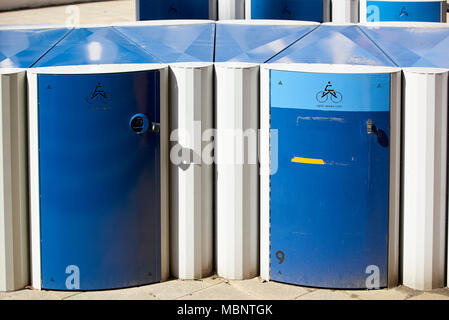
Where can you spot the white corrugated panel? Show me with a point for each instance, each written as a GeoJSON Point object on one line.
{"type": "Point", "coordinates": [425, 97]}
{"type": "Point", "coordinates": [345, 11]}
{"type": "Point", "coordinates": [237, 170]}
{"type": "Point", "coordinates": [191, 203]}
{"type": "Point", "coordinates": [213, 9]}
{"type": "Point", "coordinates": [14, 252]}
{"type": "Point", "coordinates": [231, 9]}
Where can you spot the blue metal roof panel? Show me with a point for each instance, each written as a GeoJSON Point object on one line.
{"type": "Point", "coordinates": [22, 48]}
{"type": "Point", "coordinates": [413, 46]}
{"type": "Point", "coordinates": [255, 43]}
{"type": "Point", "coordinates": [175, 43]}
{"type": "Point", "coordinates": [335, 45]}
{"type": "Point", "coordinates": [102, 45]}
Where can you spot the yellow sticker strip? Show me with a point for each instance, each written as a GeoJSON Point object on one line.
{"type": "Point", "coordinates": [308, 161]}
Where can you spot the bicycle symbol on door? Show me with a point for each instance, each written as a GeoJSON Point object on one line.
{"type": "Point", "coordinates": [323, 96]}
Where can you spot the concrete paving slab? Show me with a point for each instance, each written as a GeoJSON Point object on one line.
{"type": "Point", "coordinates": [214, 280]}
{"type": "Point", "coordinates": [322, 294]}
{"type": "Point", "coordinates": [391, 294]}
{"type": "Point", "coordinates": [408, 291]}
{"type": "Point", "coordinates": [444, 291]}
{"type": "Point", "coordinates": [414, 294]}
{"type": "Point", "coordinates": [36, 295]}
{"type": "Point", "coordinates": [139, 293]}
{"type": "Point", "coordinates": [20, 4]}
{"type": "Point", "coordinates": [89, 13]}
{"type": "Point", "coordinates": [429, 296]}
{"type": "Point", "coordinates": [222, 291]}
{"type": "Point", "coordinates": [168, 290]}
{"type": "Point", "coordinates": [269, 290]}
{"type": "Point", "coordinates": [176, 289]}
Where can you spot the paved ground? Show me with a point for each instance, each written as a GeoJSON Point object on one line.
{"type": "Point", "coordinates": [89, 13]}
{"type": "Point", "coordinates": [219, 289]}
{"type": "Point", "coordinates": [210, 288]}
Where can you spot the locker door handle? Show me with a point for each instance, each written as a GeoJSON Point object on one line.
{"type": "Point", "coordinates": [369, 126]}
{"type": "Point", "coordinates": [382, 137]}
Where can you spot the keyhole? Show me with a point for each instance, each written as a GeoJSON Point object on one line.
{"type": "Point", "coordinates": [139, 123]}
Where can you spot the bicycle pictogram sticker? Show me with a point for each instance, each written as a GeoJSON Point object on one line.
{"type": "Point", "coordinates": [99, 95]}
{"type": "Point", "coordinates": [323, 96]}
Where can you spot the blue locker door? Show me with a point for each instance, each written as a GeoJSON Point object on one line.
{"type": "Point", "coordinates": [307, 10]}
{"type": "Point", "coordinates": [172, 9]}
{"type": "Point", "coordinates": [404, 11]}
{"type": "Point", "coordinates": [329, 197]}
{"type": "Point", "coordinates": [99, 180]}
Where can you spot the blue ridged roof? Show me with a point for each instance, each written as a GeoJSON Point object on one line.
{"type": "Point", "coordinates": [22, 48]}
{"type": "Point", "coordinates": [175, 43]}
{"type": "Point", "coordinates": [255, 43]}
{"type": "Point", "coordinates": [102, 45]}
{"type": "Point", "coordinates": [413, 46]}
{"type": "Point", "coordinates": [335, 45]}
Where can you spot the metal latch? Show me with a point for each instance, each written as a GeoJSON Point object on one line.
{"type": "Point", "coordinates": [155, 127]}
{"type": "Point", "coordinates": [369, 126]}
{"type": "Point", "coordinates": [382, 137]}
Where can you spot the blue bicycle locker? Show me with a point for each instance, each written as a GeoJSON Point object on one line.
{"type": "Point", "coordinates": [334, 188]}
{"type": "Point", "coordinates": [98, 197]}
{"type": "Point", "coordinates": [306, 10]}
{"type": "Point", "coordinates": [176, 9]}
{"type": "Point", "coordinates": [21, 48]}
{"type": "Point", "coordinates": [417, 10]}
